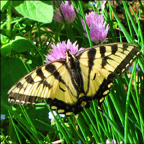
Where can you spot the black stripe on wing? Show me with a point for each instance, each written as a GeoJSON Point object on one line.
{"type": "Point", "coordinates": [91, 56]}
{"type": "Point", "coordinates": [18, 98]}
{"type": "Point", "coordinates": [127, 62]}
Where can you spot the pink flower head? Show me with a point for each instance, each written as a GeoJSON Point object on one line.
{"type": "Point", "coordinates": [58, 50]}
{"type": "Point", "coordinates": [98, 29]}
{"type": "Point", "coordinates": [68, 13]}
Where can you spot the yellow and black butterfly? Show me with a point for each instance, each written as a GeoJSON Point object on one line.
{"type": "Point", "coordinates": [69, 84]}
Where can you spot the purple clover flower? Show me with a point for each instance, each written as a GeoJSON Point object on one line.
{"type": "Point", "coordinates": [67, 10]}
{"type": "Point", "coordinates": [58, 50]}
{"type": "Point", "coordinates": [98, 29]}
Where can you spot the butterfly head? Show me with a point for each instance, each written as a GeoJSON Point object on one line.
{"type": "Point", "coordinates": [69, 55]}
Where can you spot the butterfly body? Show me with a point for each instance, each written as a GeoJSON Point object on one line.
{"type": "Point", "coordinates": [70, 84]}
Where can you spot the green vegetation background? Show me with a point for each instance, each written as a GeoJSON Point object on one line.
{"type": "Point", "coordinates": [26, 22]}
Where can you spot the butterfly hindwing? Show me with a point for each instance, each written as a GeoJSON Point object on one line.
{"type": "Point", "coordinates": [99, 64]}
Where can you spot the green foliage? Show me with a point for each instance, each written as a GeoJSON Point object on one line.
{"type": "Point", "coordinates": [12, 70]}
{"type": "Point", "coordinates": [41, 11]}
{"type": "Point", "coordinates": [26, 27]}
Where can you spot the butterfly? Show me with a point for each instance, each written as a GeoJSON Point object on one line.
{"type": "Point", "coordinates": [70, 84]}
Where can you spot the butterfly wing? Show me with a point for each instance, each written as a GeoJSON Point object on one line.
{"type": "Point", "coordinates": [51, 81]}
{"type": "Point", "coordinates": [99, 64]}
{"type": "Point", "coordinates": [66, 89]}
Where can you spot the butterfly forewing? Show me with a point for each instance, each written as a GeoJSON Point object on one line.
{"type": "Point", "coordinates": [51, 81]}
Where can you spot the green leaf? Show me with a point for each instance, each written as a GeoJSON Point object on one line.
{"type": "Point", "coordinates": [12, 69]}
{"type": "Point", "coordinates": [4, 5]}
{"type": "Point", "coordinates": [3, 110]}
{"type": "Point", "coordinates": [4, 37]}
{"type": "Point", "coordinates": [41, 11]}
{"type": "Point", "coordinates": [6, 49]}
{"type": "Point", "coordinates": [21, 44]}
{"type": "Point", "coordinates": [115, 24]}
{"type": "Point", "coordinates": [40, 113]}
